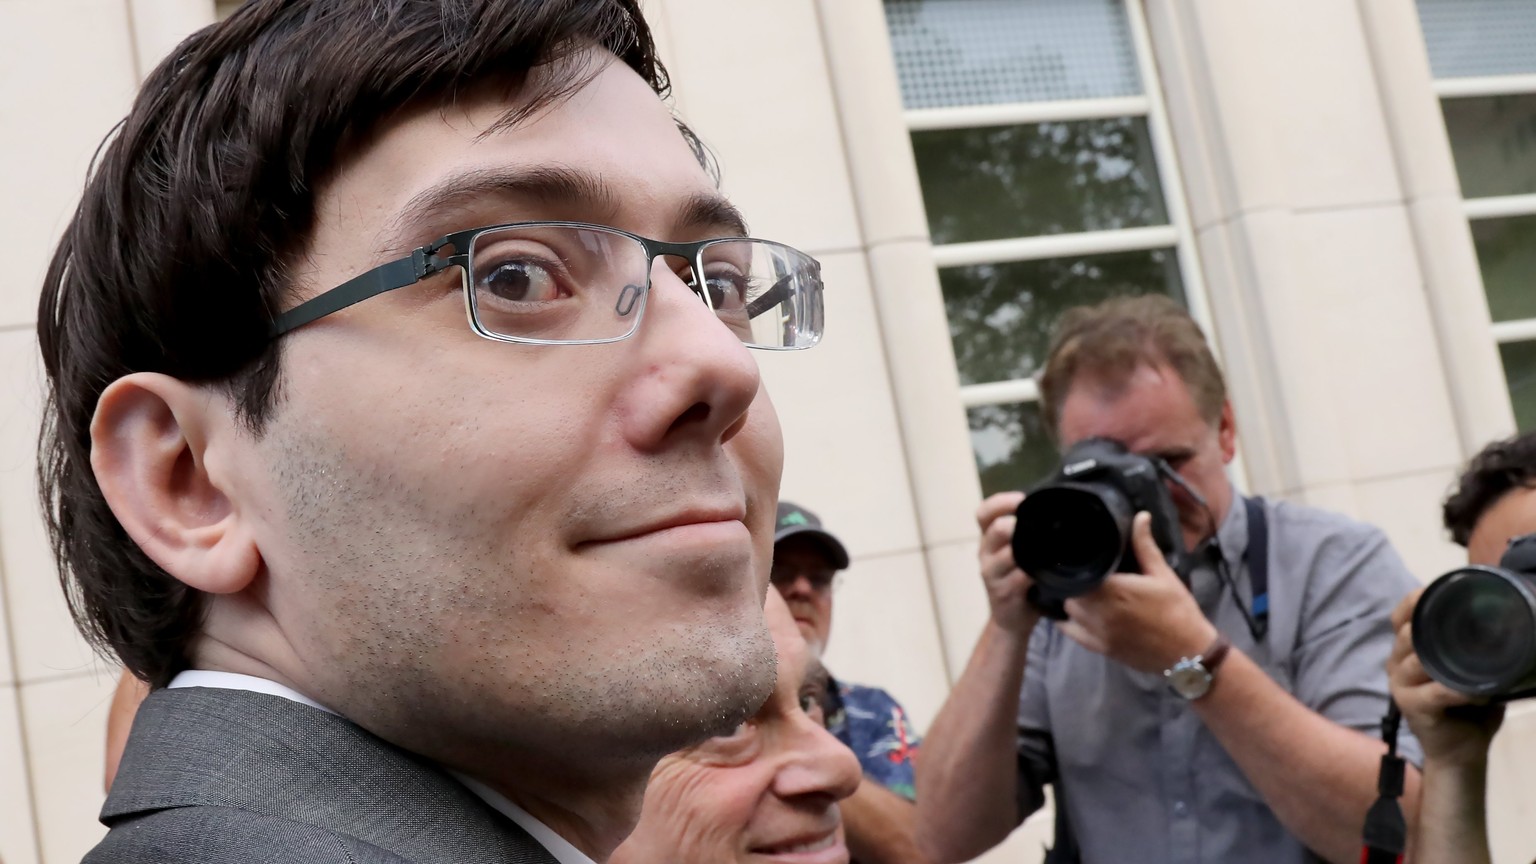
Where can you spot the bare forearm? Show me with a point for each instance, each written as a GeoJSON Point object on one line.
{"type": "Point", "coordinates": [880, 826]}
{"type": "Point", "coordinates": [967, 769]}
{"type": "Point", "coordinates": [1318, 777]}
{"type": "Point", "coordinates": [1452, 827]}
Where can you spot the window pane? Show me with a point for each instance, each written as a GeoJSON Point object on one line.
{"type": "Point", "coordinates": [1041, 178]}
{"type": "Point", "coordinates": [1520, 370]}
{"type": "Point", "coordinates": [1012, 448]}
{"type": "Point", "coordinates": [1506, 251]}
{"type": "Point", "coordinates": [1494, 141]}
{"type": "Point", "coordinates": [1468, 38]}
{"type": "Point", "coordinates": [1001, 315]}
{"type": "Point", "coordinates": [986, 52]}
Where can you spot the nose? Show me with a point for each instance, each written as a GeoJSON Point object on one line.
{"type": "Point", "coordinates": [693, 378]}
{"type": "Point", "coordinates": [817, 765]}
{"type": "Point", "coordinates": [799, 585]}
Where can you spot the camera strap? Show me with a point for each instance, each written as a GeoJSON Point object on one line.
{"type": "Point", "coordinates": [1256, 556]}
{"type": "Point", "coordinates": [1386, 832]}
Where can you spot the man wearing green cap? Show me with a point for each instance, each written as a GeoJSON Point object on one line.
{"type": "Point", "coordinates": [879, 816]}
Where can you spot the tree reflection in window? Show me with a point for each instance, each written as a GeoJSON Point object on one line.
{"type": "Point", "coordinates": [1001, 315]}
{"type": "Point", "coordinates": [1042, 178]}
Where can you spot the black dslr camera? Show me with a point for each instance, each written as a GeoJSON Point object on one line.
{"type": "Point", "coordinates": [1074, 529]}
{"type": "Point", "coordinates": [1474, 629]}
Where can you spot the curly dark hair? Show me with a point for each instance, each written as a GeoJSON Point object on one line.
{"type": "Point", "coordinates": [1492, 473]}
{"type": "Point", "coordinates": [177, 257]}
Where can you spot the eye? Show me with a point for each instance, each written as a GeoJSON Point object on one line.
{"type": "Point", "coordinates": [522, 281]}
{"type": "Point", "coordinates": [728, 289]}
{"type": "Point", "coordinates": [1178, 460]}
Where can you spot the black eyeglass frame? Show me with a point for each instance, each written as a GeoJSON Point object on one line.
{"type": "Point", "coordinates": [424, 261]}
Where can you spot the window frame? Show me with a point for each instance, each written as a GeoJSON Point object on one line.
{"type": "Point", "coordinates": [1177, 235]}
{"type": "Point", "coordinates": [1523, 330]}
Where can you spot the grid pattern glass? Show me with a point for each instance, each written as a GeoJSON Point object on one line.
{"type": "Point", "coordinates": [1038, 178]}
{"type": "Point", "coordinates": [1493, 139]}
{"type": "Point", "coordinates": [1012, 447]}
{"type": "Point", "coordinates": [1506, 253]}
{"type": "Point", "coordinates": [1474, 38]}
{"type": "Point", "coordinates": [988, 52]}
{"type": "Point", "coordinates": [1520, 371]}
{"type": "Point", "coordinates": [1001, 315]}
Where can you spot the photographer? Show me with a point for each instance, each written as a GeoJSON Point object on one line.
{"type": "Point", "coordinates": [1494, 502]}
{"type": "Point", "coordinates": [1265, 751]}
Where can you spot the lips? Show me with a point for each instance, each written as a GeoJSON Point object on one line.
{"type": "Point", "coordinates": [824, 847]}
{"type": "Point", "coordinates": [679, 519]}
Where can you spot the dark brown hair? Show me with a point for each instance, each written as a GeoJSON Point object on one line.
{"type": "Point", "coordinates": [176, 259]}
{"type": "Point", "coordinates": [1501, 467]}
{"type": "Point", "coordinates": [1115, 337]}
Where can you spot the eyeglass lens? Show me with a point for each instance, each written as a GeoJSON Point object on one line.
{"type": "Point", "coordinates": [562, 283]}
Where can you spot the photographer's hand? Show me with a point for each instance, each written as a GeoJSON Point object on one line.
{"type": "Point", "coordinates": [1455, 733]}
{"type": "Point", "coordinates": [1146, 621]}
{"type": "Point", "coordinates": [1006, 584]}
{"type": "Point", "coordinates": [1452, 728]}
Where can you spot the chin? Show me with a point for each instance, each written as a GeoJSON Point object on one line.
{"type": "Point", "coordinates": [718, 678]}
{"type": "Point", "coordinates": [741, 680]}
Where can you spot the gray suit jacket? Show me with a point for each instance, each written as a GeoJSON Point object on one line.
{"type": "Point", "coordinates": [233, 777]}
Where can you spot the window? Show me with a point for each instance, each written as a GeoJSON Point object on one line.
{"type": "Point", "coordinates": [1044, 158]}
{"type": "Point", "coordinates": [1485, 74]}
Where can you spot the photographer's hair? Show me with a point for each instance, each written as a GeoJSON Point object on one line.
{"type": "Point", "coordinates": [1500, 467]}
{"type": "Point", "coordinates": [179, 254]}
{"type": "Point", "coordinates": [1111, 340]}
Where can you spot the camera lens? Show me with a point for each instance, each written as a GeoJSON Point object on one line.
{"type": "Point", "coordinates": [1474, 629]}
{"type": "Point", "coordinates": [1070, 536]}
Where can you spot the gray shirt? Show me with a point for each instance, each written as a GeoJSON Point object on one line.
{"type": "Point", "coordinates": [1140, 777]}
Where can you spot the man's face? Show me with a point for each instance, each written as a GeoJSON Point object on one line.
{"type": "Point", "coordinates": [487, 551]}
{"type": "Point", "coordinates": [1513, 515]}
{"type": "Point", "coordinates": [768, 792]}
{"type": "Point", "coordinates": [1153, 413]}
{"type": "Point", "coordinates": [804, 575]}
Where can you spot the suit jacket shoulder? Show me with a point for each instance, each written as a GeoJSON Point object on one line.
{"type": "Point", "coordinates": [233, 776]}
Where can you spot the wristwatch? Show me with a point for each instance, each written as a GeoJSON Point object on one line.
{"type": "Point", "coordinates": [1191, 676]}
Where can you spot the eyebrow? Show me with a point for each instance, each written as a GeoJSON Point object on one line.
{"type": "Point", "coordinates": [543, 184]}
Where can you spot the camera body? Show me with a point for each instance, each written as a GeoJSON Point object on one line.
{"type": "Point", "coordinates": [1474, 628]}
{"type": "Point", "coordinates": [1074, 529]}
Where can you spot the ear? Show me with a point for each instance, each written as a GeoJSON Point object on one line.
{"type": "Point", "coordinates": [159, 449]}
{"type": "Point", "coordinates": [1226, 432]}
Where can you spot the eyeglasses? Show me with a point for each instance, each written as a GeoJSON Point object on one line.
{"type": "Point", "coordinates": [573, 283]}
{"type": "Point", "coordinates": [819, 580]}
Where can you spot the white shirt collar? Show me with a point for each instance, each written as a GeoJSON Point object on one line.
{"type": "Point", "coordinates": [558, 846]}
{"type": "Point", "coordinates": [236, 681]}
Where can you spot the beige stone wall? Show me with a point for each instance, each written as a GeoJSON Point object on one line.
{"type": "Point", "coordinates": [1323, 200]}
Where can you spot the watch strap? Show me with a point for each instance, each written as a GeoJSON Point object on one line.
{"type": "Point", "coordinates": [1211, 657]}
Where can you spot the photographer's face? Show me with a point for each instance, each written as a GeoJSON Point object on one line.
{"type": "Point", "coordinates": [487, 551]}
{"type": "Point", "coordinates": [1513, 515]}
{"type": "Point", "coordinates": [1153, 413]}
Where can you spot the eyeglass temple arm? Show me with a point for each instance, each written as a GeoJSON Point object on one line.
{"type": "Point", "coordinates": [385, 277]}
{"type": "Point", "coordinates": [770, 298]}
